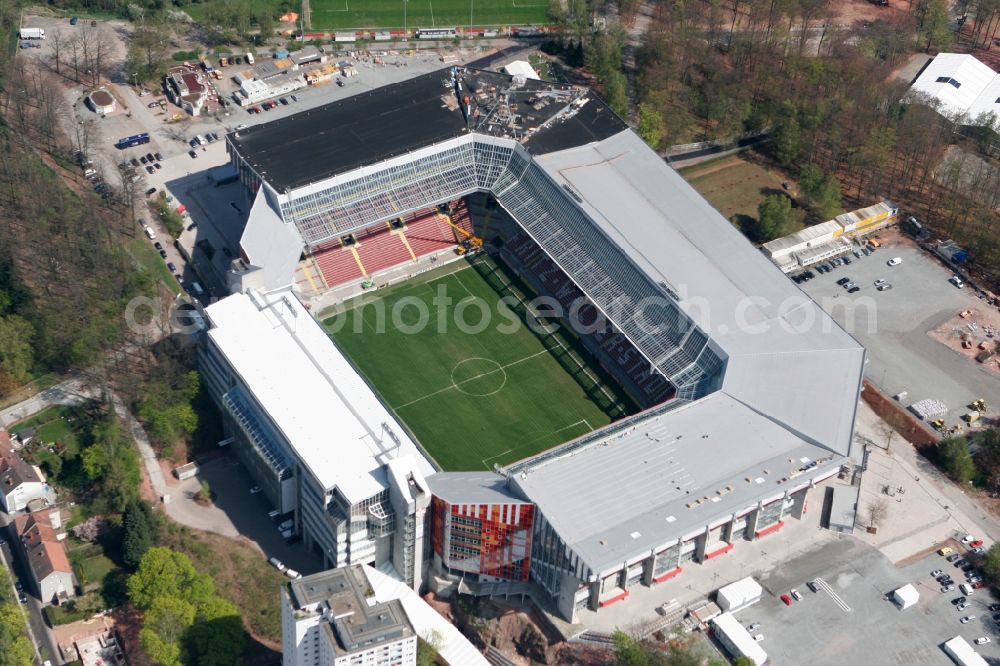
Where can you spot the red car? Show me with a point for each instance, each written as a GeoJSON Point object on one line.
{"type": "Point", "coordinates": [787, 599]}
{"type": "Point", "coordinates": [976, 544]}
{"type": "Point", "coordinates": [978, 585]}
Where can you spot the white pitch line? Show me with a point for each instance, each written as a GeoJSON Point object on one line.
{"type": "Point", "coordinates": [500, 368]}
{"type": "Point", "coordinates": [833, 595]}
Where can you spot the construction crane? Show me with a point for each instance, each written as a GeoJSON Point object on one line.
{"type": "Point", "coordinates": [470, 242]}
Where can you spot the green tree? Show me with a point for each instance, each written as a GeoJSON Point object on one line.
{"type": "Point", "coordinates": [628, 651]}
{"type": "Point", "coordinates": [991, 565]}
{"type": "Point", "coordinates": [822, 192]}
{"type": "Point", "coordinates": [170, 618]}
{"type": "Point", "coordinates": [16, 354]}
{"type": "Point", "coordinates": [163, 573]}
{"type": "Point", "coordinates": [220, 641]}
{"type": "Point", "coordinates": [95, 461]}
{"type": "Point", "coordinates": [935, 26]}
{"type": "Point", "coordinates": [428, 648]}
{"type": "Point", "coordinates": [786, 137]}
{"type": "Point", "coordinates": [650, 126]}
{"type": "Point", "coordinates": [777, 218]}
{"type": "Point", "coordinates": [159, 650]}
{"type": "Point", "coordinates": [956, 461]}
{"type": "Point", "coordinates": [744, 661]}
{"type": "Point", "coordinates": [138, 529]}
{"type": "Point", "coordinates": [987, 456]}
{"type": "Point", "coordinates": [15, 647]}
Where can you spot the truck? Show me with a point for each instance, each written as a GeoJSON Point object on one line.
{"type": "Point", "coordinates": [31, 33]}
{"type": "Point", "coordinates": [249, 58]}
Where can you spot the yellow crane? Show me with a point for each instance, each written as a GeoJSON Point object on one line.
{"type": "Point", "coordinates": [470, 242]}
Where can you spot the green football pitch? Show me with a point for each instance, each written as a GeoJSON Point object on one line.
{"type": "Point", "coordinates": [490, 392]}
{"type": "Point", "coordinates": [386, 14]}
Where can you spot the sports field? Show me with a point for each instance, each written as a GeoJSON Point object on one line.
{"type": "Point", "coordinates": [386, 14]}
{"type": "Point", "coordinates": [490, 392]}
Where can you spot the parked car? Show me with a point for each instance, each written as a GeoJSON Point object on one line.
{"type": "Point", "coordinates": [754, 627]}
{"type": "Point", "coordinates": [982, 640]}
{"type": "Point", "coordinates": [960, 562]}
{"type": "Point", "coordinates": [294, 98]}
{"type": "Point", "coordinates": [962, 606]}
{"type": "Point", "coordinates": [967, 619]}
{"type": "Point", "coordinates": [968, 538]}
{"type": "Point", "coordinates": [143, 160]}
{"type": "Point", "coordinates": [278, 564]}
{"type": "Point", "coordinates": [150, 233]}
{"type": "Point", "coordinates": [150, 191]}
{"type": "Point", "coordinates": [976, 544]}
{"type": "Point", "coordinates": [959, 600]}
{"type": "Point", "coordinates": [844, 280]}
{"type": "Point", "coordinates": [292, 573]}
{"type": "Point", "coordinates": [953, 557]}
{"type": "Point", "coordinates": [812, 585]}
{"type": "Point", "coordinates": [884, 287]}
{"type": "Point", "coordinates": [895, 261]}
{"type": "Point", "coordinates": [163, 254]}
{"type": "Point", "coordinates": [979, 584]}
{"type": "Point", "coordinates": [936, 573]}
{"type": "Point", "coordinates": [758, 637]}
{"type": "Point", "coordinates": [979, 550]}
{"type": "Point", "coordinates": [795, 594]}
{"type": "Point", "coordinates": [134, 162]}
{"type": "Point", "coordinates": [284, 102]}
{"type": "Point", "coordinates": [853, 290]}
{"type": "Point", "coordinates": [159, 157]}
{"type": "Point", "coordinates": [786, 599]}
{"type": "Point", "coordinates": [172, 267]}
{"type": "Point", "coordinates": [947, 588]}
{"type": "Point", "coordinates": [193, 154]}
{"type": "Point", "coordinates": [150, 169]}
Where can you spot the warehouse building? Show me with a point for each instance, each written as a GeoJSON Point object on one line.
{"type": "Point", "coordinates": [726, 453]}
{"type": "Point", "coordinates": [960, 87]}
{"type": "Point", "coordinates": [736, 639]}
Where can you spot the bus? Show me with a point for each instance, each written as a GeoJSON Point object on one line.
{"type": "Point", "coordinates": [436, 33]}
{"type": "Point", "coordinates": [134, 140]}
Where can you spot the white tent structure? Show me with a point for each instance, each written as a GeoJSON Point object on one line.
{"type": "Point", "coordinates": [521, 68]}
{"type": "Point", "coordinates": [739, 595]}
{"type": "Point", "coordinates": [906, 596]}
{"type": "Point", "coordinates": [962, 87]}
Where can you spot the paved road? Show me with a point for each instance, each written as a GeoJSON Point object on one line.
{"type": "Point", "coordinates": [75, 391]}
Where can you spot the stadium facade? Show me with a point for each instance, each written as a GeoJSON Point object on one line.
{"type": "Point", "coordinates": [749, 390]}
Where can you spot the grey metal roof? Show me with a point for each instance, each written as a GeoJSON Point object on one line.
{"type": "Point", "coordinates": [629, 493]}
{"type": "Point", "coordinates": [473, 488]}
{"type": "Point", "coordinates": [787, 359]}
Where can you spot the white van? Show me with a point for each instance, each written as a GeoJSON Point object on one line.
{"type": "Point", "coordinates": [149, 232]}
{"type": "Point", "coordinates": [967, 589]}
{"type": "Point", "coordinates": [292, 573]}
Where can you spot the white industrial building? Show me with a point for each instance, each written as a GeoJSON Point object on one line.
{"type": "Point", "coordinates": [906, 596]}
{"type": "Point", "coordinates": [962, 653]}
{"type": "Point", "coordinates": [317, 440]}
{"type": "Point", "coordinates": [740, 594]}
{"type": "Point", "coordinates": [736, 639]}
{"type": "Point", "coordinates": [961, 88]}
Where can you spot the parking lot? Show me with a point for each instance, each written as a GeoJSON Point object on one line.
{"type": "Point", "coordinates": [856, 624]}
{"type": "Point", "coordinates": [893, 325]}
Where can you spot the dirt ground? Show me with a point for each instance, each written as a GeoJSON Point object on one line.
{"type": "Point", "coordinates": [977, 331]}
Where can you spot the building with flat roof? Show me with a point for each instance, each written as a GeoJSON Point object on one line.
{"type": "Point", "coordinates": [962, 653]}
{"type": "Point", "coordinates": [725, 452]}
{"type": "Point", "coordinates": [334, 619]}
{"type": "Point", "coordinates": [736, 639]}
{"type": "Point", "coordinates": [315, 437]}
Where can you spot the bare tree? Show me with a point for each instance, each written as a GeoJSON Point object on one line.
{"type": "Point", "coordinates": [58, 43]}
{"type": "Point", "coordinates": [877, 511]}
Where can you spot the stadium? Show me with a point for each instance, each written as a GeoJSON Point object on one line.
{"type": "Point", "coordinates": [675, 395]}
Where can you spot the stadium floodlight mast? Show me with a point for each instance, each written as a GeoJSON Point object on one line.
{"type": "Point", "coordinates": [405, 36]}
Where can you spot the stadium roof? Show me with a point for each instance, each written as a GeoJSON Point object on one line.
{"type": "Point", "coordinates": [645, 484]}
{"type": "Point", "coordinates": [961, 84]}
{"type": "Point", "coordinates": [335, 424]}
{"type": "Point", "coordinates": [376, 125]}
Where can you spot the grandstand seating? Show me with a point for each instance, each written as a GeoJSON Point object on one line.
{"type": "Point", "coordinates": [630, 365]}
{"type": "Point", "coordinates": [379, 247]}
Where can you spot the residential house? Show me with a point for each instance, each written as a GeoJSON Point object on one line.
{"type": "Point", "coordinates": [19, 482]}
{"type": "Point", "coordinates": [41, 536]}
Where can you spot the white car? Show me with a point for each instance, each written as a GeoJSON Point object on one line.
{"type": "Point", "coordinates": [982, 640]}
{"type": "Point", "coordinates": [962, 606]}
{"type": "Point", "coordinates": [967, 619]}
{"type": "Point", "coordinates": [968, 538]}
{"type": "Point", "coordinates": [796, 594]}
{"type": "Point", "coordinates": [936, 573]}
{"type": "Point", "coordinates": [879, 281]}
{"type": "Point", "coordinates": [754, 627]}
{"type": "Point", "coordinates": [277, 564]}
{"type": "Point", "coordinates": [241, 127]}
{"type": "Point", "coordinates": [947, 588]}
{"type": "Point", "coordinates": [760, 637]}
{"type": "Point", "coordinates": [957, 281]}
{"type": "Point", "coordinates": [149, 232]}
{"type": "Point", "coordinates": [292, 573]}
{"type": "Point", "coordinates": [895, 261]}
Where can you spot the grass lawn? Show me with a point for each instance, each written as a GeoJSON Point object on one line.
{"type": "Point", "coordinates": [733, 185]}
{"type": "Point", "coordinates": [477, 395]}
{"type": "Point", "coordinates": [90, 564]}
{"type": "Point", "coordinates": [147, 259]}
{"type": "Point", "coordinates": [52, 427]}
{"type": "Point", "coordinates": [339, 14]}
